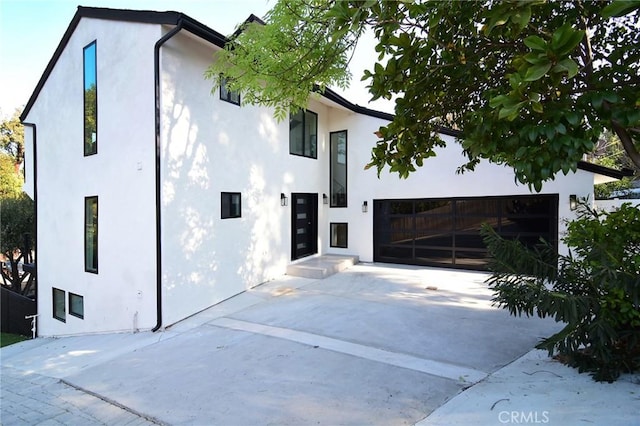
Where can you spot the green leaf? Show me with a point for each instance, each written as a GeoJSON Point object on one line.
{"type": "Point", "coordinates": [567, 65]}
{"type": "Point", "coordinates": [620, 8]}
{"type": "Point", "coordinates": [536, 72]}
{"type": "Point", "coordinates": [535, 43]}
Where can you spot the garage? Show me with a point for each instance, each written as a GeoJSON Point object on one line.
{"type": "Point", "coordinates": [445, 232]}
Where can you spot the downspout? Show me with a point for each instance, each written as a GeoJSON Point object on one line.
{"type": "Point", "coordinates": [156, 70]}
{"type": "Point", "coordinates": [35, 208]}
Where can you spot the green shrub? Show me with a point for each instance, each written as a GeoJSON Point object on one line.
{"type": "Point", "coordinates": [595, 290]}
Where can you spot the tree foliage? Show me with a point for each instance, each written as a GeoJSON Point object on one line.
{"type": "Point", "coordinates": [531, 84]}
{"type": "Point", "coordinates": [10, 180]}
{"type": "Point", "coordinates": [16, 221]}
{"type": "Point", "coordinates": [12, 139]}
{"type": "Point", "coordinates": [594, 291]}
{"type": "Point", "coordinates": [610, 153]}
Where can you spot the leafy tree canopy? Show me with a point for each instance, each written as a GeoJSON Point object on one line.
{"type": "Point", "coordinates": [10, 180]}
{"type": "Point", "coordinates": [12, 138]}
{"type": "Point", "coordinates": [531, 84]}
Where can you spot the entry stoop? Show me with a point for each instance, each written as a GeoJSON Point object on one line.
{"type": "Point", "coordinates": [322, 266]}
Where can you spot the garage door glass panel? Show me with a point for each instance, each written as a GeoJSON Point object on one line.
{"type": "Point", "coordinates": [445, 232]}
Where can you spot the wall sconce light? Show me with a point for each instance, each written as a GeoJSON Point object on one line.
{"type": "Point", "coordinates": [283, 199]}
{"type": "Point", "coordinates": [325, 199]}
{"type": "Point", "coordinates": [573, 202]}
{"type": "Point", "coordinates": [365, 207]}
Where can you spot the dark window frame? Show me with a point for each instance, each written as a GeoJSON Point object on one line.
{"type": "Point", "coordinates": [226, 210]}
{"type": "Point", "coordinates": [94, 241]}
{"type": "Point", "coordinates": [92, 148]}
{"type": "Point", "coordinates": [228, 95]}
{"type": "Point", "coordinates": [58, 291]}
{"type": "Point", "coordinates": [71, 312]}
{"type": "Point", "coordinates": [346, 236]}
{"type": "Point", "coordinates": [332, 198]}
{"type": "Point", "coordinates": [305, 140]}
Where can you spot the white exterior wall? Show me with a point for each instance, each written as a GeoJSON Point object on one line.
{"type": "Point", "coordinates": [437, 178]}
{"type": "Point", "coordinates": [122, 295]}
{"type": "Point", "coordinates": [211, 146]}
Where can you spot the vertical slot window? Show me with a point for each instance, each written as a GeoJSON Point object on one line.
{"type": "Point", "coordinates": [338, 169]}
{"type": "Point", "coordinates": [59, 311]}
{"type": "Point", "coordinates": [90, 100]}
{"type": "Point", "coordinates": [91, 234]}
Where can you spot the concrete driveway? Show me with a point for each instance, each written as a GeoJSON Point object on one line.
{"type": "Point", "coordinates": [371, 345]}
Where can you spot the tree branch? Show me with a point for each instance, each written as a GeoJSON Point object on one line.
{"type": "Point", "coordinates": [627, 142]}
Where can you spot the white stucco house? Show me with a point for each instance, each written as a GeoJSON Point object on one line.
{"type": "Point", "coordinates": [156, 199]}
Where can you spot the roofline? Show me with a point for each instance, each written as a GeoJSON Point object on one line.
{"type": "Point", "coordinates": [605, 171]}
{"type": "Point", "coordinates": [124, 15]}
{"type": "Point", "coordinates": [206, 33]}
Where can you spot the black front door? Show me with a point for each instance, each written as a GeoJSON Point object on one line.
{"type": "Point", "coordinates": [304, 225]}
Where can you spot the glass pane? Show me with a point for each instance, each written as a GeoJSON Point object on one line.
{"type": "Point", "coordinates": [90, 101]}
{"type": "Point", "coordinates": [338, 179]}
{"type": "Point", "coordinates": [91, 234]}
{"type": "Point", "coordinates": [296, 133]}
{"type": "Point", "coordinates": [435, 240]}
{"type": "Point", "coordinates": [311, 133]}
{"type": "Point", "coordinates": [434, 255]}
{"type": "Point", "coordinates": [76, 305]}
{"type": "Point", "coordinates": [434, 223]}
{"type": "Point", "coordinates": [58, 304]}
{"type": "Point", "coordinates": [339, 235]}
{"type": "Point", "coordinates": [433, 206]}
{"type": "Point", "coordinates": [405, 253]}
{"type": "Point", "coordinates": [478, 207]}
{"type": "Point", "coordinates": [401, 207]}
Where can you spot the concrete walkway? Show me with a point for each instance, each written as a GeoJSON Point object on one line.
{"type": "Point", "coordinates": [370, 345]}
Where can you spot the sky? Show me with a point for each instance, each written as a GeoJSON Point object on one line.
{"type": "Point", "coordinates": [30, 31]}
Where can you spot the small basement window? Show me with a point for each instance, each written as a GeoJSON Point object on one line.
{"type": "Point", "coordinates": [76, 305]}
{"type": "Point", "coordinates": [230, 205]}
{"type": "Point", "coordinates": [59, 311]}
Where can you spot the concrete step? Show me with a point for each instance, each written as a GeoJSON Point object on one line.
{"type": "Point", "coordinates": [320, 267]}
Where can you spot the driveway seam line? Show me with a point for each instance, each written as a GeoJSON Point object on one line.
{"type": "Point", "coordinates": [431, 367]}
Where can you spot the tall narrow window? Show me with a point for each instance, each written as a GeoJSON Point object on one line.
{"type": "Point", "coordinates": [90, 100]}
{"type": "Point", "coordinates": [91, 234]}
{"type": "Point", "coordinates": [228, 95]}
{"type": "Point", "coordinates": [338, 169]}
{"type": "Point", "coordinates": [303, 134]}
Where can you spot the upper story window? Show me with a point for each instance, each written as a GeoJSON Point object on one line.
{"type": "Point", "coordinates": [90, 100]}
{"type": "Point", "coordinates": [338, 169]}
{"type": "Point", "coordinates": [228, 95]}
{"type": "Point", "coordinates": [303, 134]}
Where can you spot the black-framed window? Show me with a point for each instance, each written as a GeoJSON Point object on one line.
{"type": "Point", "coordinates": [303, 134]}
{"type": "Point", "coordinates": [91, 234]}
{"type": "Point", "coordinates": [59, 308]}
{"type": "Point", "coordinates": [338, 168]}
{"type": "Point", "coordinates": [76, 305]}
{"type": "Point", "coordinates": [228, 95]}
{"type": "Point", "coordinates": [339, 234]}
{"type": "Point", "coordinates": [90, 89]}
{"type": "Point", "coordinates": [231, 205]}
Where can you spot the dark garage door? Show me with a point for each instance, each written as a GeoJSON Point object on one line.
{"type": "Point", "coordinates": [446, 231]}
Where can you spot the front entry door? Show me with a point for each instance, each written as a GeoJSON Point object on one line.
{"type": "Point", "coordinates": [304, 225]}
